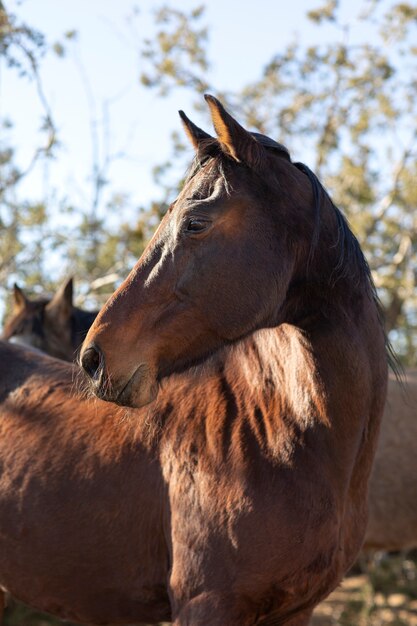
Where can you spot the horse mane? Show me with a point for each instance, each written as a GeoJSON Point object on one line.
{"type": "Point", "coordinates": [351, 262]}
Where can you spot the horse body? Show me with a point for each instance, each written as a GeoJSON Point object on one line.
{"type": "Point", "coordinates": [392, 521]}
{"type": "Point", "coordinates": [265, 505]}
{"type": "Point", "coordinates": [81, 500]}
{"type": "Point", "coordinates": [103, 494]}
{"type": "Point", "coordinates": [256, 337]}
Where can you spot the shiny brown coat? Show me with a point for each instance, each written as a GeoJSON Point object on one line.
{"type": "Point", "coordinates": [251, 329]}
{"type": "Point", "coordinates": [82, 499]}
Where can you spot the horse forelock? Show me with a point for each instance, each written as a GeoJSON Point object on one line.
{"type": "Point", "coordinates": [210, 149]}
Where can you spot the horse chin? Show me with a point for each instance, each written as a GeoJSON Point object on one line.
{"type": "Point", "coordinates": [141, 389]}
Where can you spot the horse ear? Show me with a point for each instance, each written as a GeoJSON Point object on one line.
{"type": "Point", "coordinates": [193, 132]}
{"type": "Point", "coordinates": [234, 139]}
{"type": "Point", "coordinates": [62, 302]}
{"type": "Point", "coordinates": [20, 301]}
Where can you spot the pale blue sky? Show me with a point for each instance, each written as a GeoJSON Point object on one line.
{"type": "Point", "coordinates": [243, 37]}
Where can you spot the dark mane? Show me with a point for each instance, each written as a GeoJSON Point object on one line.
{"type": "Point", "coordinates": [210, 149]}
{"type": "Point", "coordinates": [351, 263]}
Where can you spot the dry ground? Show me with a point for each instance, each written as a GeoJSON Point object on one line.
{"type": "Point", "coordinates": [356, 603]}
{"type": "Point", "coordinates": [385, 596]}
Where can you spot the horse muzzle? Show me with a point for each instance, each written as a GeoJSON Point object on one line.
{"type": "Point", "coordinates": [140, 389]}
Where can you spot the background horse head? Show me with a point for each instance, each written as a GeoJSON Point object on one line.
{"type": "Point", "coordinates": [52, 325]}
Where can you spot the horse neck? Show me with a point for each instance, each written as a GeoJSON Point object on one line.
{"type": "Point", "coordinates": [332, 333]}
{"type": "Point", "coordinates": [262, 393]}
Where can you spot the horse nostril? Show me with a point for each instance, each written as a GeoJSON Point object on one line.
{"type": "Point", "coordinates": [92, 361]}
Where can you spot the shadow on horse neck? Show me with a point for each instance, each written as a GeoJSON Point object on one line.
{"type": "Point", "coordinates": [53, 325]}
{"type": "Point", "coordinates": [251, 327]}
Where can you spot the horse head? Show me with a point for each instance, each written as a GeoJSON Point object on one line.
{"type": "Point", "coordinates": [232, 255]}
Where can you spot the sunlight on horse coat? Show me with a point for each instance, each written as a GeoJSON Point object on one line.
{"type": "Point", "coordinates": [251, 324]}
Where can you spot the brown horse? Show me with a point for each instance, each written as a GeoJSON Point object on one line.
{"type": "Point", "coordinates": [83, 517]}
{"type": "Point", "coordinates": [52, 325]}
{"type": "Point", "coordinates": [251, 323]}
{"type": "Point", "coordinates": [392, 523]}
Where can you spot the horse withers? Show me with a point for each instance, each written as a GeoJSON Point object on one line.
{"type": "Point", "coordinates": [251, 329]}
{"type": "Point", "coordinates": [53, 325]}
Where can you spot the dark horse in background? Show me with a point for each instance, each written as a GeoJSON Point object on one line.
{"type": "Point", "coordinates": [251, 325]}
{"type": "Point", "coordinates": [52, 325]}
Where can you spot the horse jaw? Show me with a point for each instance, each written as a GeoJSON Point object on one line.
{"type": "Point", "coordinates": [141, 388]}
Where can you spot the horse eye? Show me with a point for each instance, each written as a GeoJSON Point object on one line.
{"type": "Point", "coordinates": [195, 225]}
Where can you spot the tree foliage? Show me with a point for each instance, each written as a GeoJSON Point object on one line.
{"type": "Point", "coordinates": [21, 47]}
{"type": "Point", "coordinates": [37, 235]}
{"type": "Point", "coordinates": [345, 107]}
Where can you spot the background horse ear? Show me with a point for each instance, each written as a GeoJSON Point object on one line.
{"type": "Point", "coordinates": [234, 139]}
{"type": "Point", "coordinates": [61, 304]}
{"type": "Point", "coordinates": [193, 132]}
{"type": "Point", "coordinates": [20, 301]}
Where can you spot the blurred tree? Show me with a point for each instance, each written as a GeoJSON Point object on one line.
{"type": "Point", "coordinates": [37, 235]}
{"type": "Point", "coordinates": [346, 107]}
{"type": "Point", "coordinates": [22, 48]}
